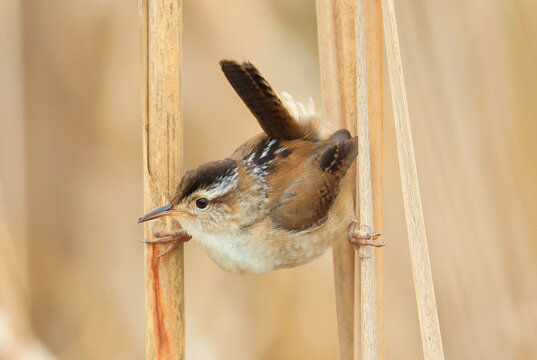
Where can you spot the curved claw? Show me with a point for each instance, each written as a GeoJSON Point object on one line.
{"type": "Point", "coordinates": [162, 240]}
{"type": "Point", "coordinates": [363, 237]}
{"type": "Point", "coordinates": [173, 238]}
{"type": "Point", "coordinates": [169, 249]}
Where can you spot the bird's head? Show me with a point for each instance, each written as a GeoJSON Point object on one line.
{"type": "Point", "coordinates": [205, 198]}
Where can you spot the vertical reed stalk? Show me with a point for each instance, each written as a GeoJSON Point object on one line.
{"type": "Point", "coordinates": [161, 29]}
{"type": "Point", "coordinates": [335, 26]}
{"type": "Point", "coordinates": [431, 339]}
{"type": "Point", "coordinates": [373, 56]}
{"type": "Point", "coordinates": [365, 259]}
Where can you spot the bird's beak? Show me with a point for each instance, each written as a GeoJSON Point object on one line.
{"type": "Point", "coordinates": [166, 210]}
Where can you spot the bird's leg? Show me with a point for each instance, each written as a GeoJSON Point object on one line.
{"type": "Point", "coordinates": [362, 237]}
{"type": "Point", "coordinates": [174, 237]}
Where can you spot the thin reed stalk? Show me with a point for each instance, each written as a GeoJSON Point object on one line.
{"type": "Point", "coordinates": [419, 254]}
{"type": "Point", "coordinates": [365, 310]}
{"type": "Point", "coordinates": [373, 56]}
{"type": "Point", "coordinates": [335, 26]}
{"type": "Point", "coordinates": [161, 29]}
{"type": "Point", "coordinates": [337, 52]}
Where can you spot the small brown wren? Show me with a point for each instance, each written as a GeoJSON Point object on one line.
{"type": "Point", "coordinates": [274, 202]}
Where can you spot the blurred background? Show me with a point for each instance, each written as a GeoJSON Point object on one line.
{"type": "Point", "coordinates": [71, 266]}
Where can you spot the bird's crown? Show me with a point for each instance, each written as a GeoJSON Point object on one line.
{"type": "Point", "coordinates": [214, 179]}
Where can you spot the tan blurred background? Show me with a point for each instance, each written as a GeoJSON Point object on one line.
{"type": "Point", "coordinates": [71, 268]}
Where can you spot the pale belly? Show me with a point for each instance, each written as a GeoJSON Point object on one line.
{"type": "Point", "coordinates": [257, 251]}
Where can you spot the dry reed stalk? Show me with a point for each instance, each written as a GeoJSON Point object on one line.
{"type": "Point", "coordinates": [366, 308]}
{"type": "Point", "coordinates": [161, 29]}
{"type": "Point", "coordinates": [335, 28]}
{"type": "Point", "coordinates": [373, 56]}
{"type": "Point", "coordinates": [419, 254]}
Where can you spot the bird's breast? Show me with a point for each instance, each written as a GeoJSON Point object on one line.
{"type": "Point", "coordinates": [235, 252]}
{"type": "Point", "coordinates": [262, 248]}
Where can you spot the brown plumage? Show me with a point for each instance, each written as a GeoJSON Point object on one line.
{"type": "Point", "coordinates": [269, 110]}
{"type": "Point", "coordinates": [274, 202]}
{"type": "Point", "coordinates": [304, 176]}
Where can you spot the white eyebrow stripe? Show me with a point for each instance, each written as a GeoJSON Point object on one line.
{"type": "Point", "coordinates": [223, 185]}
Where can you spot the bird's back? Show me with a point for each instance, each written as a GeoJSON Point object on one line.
{"type": "Point", "coordinates": [298, 180]}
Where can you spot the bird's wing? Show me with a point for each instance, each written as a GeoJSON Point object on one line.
{"type": "Point", "coordinates": [306, 202]}
{"type": "Point", "coordinates": [271, 112]}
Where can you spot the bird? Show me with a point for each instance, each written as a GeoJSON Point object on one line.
{"type": "Point", "coordinates": [274, 202]}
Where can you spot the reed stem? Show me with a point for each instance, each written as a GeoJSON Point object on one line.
{"type": "Point", "coordinates": [431, 339]}
{"type": "Point", "coordinates": [373, 56]}
{"type": "Point", "coordinates": [161, 29]}
{"type": "Point", "coordinates": [364, 258]}
{"type": "Point", "coordinates": [335, 26]}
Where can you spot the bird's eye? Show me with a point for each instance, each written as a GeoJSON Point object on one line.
{"type": "Point", "coordinates": [202, 203]}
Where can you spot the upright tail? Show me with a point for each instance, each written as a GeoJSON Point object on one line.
{"type": "Point", "coordinates": [268, 108]}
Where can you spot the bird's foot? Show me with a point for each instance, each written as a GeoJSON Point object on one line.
{"type": "Point", "coordinates": [363, 236]}
{"type": "Point", "coordinates": [173, 238]}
